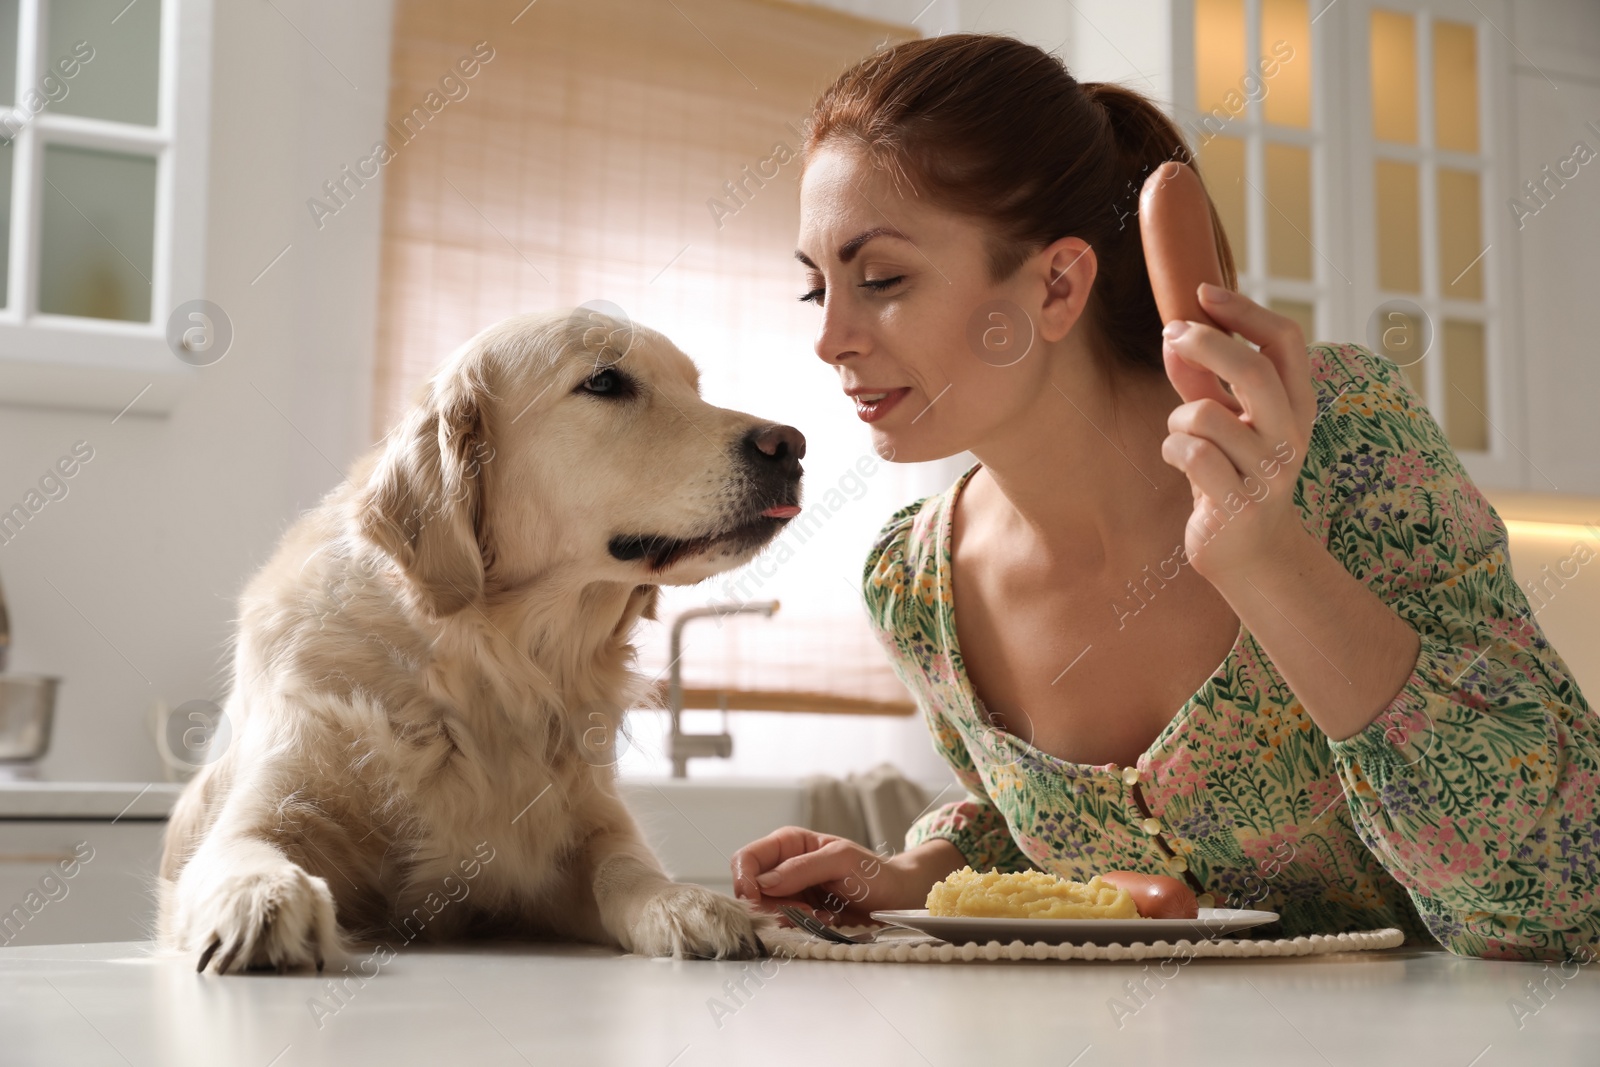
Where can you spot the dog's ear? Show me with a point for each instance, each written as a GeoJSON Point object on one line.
{"type": "Point", "coordinates": [652, 598]}
{"type": "Point", "coordinates": [642, 601]}
{"type": "Point", "coordinates": [421, 502]}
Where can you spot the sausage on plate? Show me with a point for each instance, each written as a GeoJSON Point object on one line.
{"type": "Point", "coordinates": [1156, 895]}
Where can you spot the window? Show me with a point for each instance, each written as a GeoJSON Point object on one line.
{"type": "Point", "coordinates": [646, 155]}
{"type": "Point", "coordinates": [1349, 149]}
{"type": "Point", "coordinates": [101, 138]}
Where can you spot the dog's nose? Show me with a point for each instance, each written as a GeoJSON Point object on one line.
{"type": "Point", "coordinates": [783, 445]}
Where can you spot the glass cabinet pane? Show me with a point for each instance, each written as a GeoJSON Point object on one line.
{"type": "Point", "coordinates": [1394, 77]}
{"type": "Point", "coordinates": [1286, 31]}
{"type": "Point", "coordinates": [1403, 338]}
{"type": "Point", "coordinates": [1455, 86]}
{"type": "Point", "coordinates": [1399, 227]}
{"type": "Point", "coordinates": [1304, 315]}
{"type": "Point", "coordinates": [1219, 61]}
{"type": "Point", "coordinates": [1460, 235]}
{"type": "Point", "coordinates": [8, 54]}
{"type": "Point", "coordinates": [1288, 211]}
{"type": "Point", "coordinates": [97, 233]}
{"type": "Point", "coordinates": [119, 81]}
{"type": "Point", "coordinates": [1222, 166]}
{"type": "Point", "coordinates": [1466, 392]}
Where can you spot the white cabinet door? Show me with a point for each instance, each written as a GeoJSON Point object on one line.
{"type": "Point", "coordinates": [69, 882]}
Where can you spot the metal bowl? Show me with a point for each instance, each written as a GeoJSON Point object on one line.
{"type": "Point", "coordinates": [27, 706]}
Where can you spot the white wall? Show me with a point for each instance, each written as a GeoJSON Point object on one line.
{"type": "Point", "coordinates": [1556, 97]}
{"type": "Point", "coordinates": [162, 527]}
{"type": "Point", "coordinates": [1045, 23]}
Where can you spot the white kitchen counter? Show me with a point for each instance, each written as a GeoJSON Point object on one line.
{"type": "Point", "coordinates": [571, 1004]}
{"type": "Point", "coordinates": [692, 824]}
{"type": "Point", "coordinates": [29, 799]}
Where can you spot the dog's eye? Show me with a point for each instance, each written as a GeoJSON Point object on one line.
{"type": "Point", "coordinates": [607, 382]}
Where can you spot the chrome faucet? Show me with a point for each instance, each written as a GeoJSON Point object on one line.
{"type": "Point", "coordinates": [27, 706]}
{"type": "Point", "coordinates": [683, 747]}
{"type": "Point", "coordinates": [5, 632]}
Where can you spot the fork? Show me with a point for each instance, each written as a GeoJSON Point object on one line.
{"type": "Point", "coordinates": [817, 928]}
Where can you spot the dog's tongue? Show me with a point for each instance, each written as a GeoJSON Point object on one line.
{"type": "Point", "coordinates": [782, 511]}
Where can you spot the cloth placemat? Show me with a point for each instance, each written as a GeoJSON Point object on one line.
{"type": "Point", "coordinates": [909, 946]}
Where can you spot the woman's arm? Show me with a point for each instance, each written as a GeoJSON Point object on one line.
{"type": "Point", "coordinates": [929, 862]}
{"type": "Point", "coordinates": [1342, 650]}
{"type": "Point", "coordinates": [1468, 756]}
{"type": "Point", "coordinates": [836, 879]}
{"type": "Point", "coordinates": [1338, 645]}
{"type": "Point", "coordinates": [1475, 786]}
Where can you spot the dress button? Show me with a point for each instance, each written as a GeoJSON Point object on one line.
{"type": "Point", "coordinates": [1177, 863]}
{"type": "Point", "coordinates": [1151, 826]}
{"type": "Point", "coordinates": [1130, 775]}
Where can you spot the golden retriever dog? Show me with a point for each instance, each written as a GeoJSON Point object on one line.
{"type": "Point", "coordinates": [421, 671]}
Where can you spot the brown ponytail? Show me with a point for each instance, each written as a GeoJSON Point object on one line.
{"type": "Point", "coordinates": [998, 130]}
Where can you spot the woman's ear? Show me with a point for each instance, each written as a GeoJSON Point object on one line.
{"type": "Point", "coordinates": [420, 505]}
{"type": "Point", "coordinates": [1067, 268]}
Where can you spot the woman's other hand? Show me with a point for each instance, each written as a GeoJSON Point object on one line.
{"type": "Point", "coordinates": [834, 878]}
{"type": "Point", "coordinates": [1242, 465]}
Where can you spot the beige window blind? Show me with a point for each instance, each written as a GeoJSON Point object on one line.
{"type": "Point", "coordinates": [640, 151]}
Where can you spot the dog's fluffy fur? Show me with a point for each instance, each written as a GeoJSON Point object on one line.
{"type": "Point", "coordinates": [421, 668]}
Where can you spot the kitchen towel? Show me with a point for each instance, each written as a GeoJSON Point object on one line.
{"type": "Point", "coordinates": [874, 808]}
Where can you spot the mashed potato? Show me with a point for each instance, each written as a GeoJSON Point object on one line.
{"type": "Point", "coordinates": [1027, 895]}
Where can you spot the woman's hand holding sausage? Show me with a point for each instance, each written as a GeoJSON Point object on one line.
{"type": "Point", "coordinates": [1242, 455]}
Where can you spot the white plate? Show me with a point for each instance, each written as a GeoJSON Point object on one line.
{"type": "Point", "coordinates": [1212, 922]}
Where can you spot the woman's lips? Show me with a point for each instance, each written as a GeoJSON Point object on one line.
{"type": "Point", "coordinates": [873, 410]}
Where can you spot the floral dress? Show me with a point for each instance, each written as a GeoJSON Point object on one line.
{"type": "Point", "coordinates": [1464, 814]}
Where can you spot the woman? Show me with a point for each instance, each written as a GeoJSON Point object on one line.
{"type": "Point", "coordinates": [1266, 642]}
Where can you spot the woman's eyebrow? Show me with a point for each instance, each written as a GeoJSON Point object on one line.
{"type": "Point", "coordinates": [848, 250]}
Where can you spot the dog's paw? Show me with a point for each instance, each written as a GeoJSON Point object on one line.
{"type": "Point", "coordinates": [690, 920]}
{"type": "Point", "coordinates": [279, 919]}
